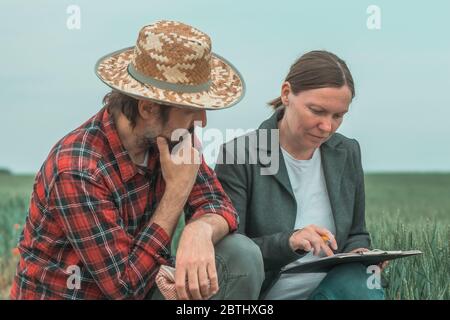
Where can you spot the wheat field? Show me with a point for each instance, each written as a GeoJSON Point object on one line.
{"type": "Point", "coordinates": [403, 211]}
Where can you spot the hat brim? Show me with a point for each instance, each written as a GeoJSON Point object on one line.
{"type": "Point", "coordinates": [227, 85]}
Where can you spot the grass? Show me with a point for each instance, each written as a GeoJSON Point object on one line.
{"type": "Point", "coordinates": [404, 211]}
{"type": "Point", "coordinates": [14, 197]}
{"type": "Point", "coordinates": [412, 211]}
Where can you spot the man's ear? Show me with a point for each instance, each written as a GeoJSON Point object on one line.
{"type": "Point", "coordinates": [147, 109]}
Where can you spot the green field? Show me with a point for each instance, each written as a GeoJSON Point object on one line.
{"type": "Point", "coordinates": [404, 211]}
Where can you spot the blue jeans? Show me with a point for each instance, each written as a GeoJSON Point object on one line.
{"type": "Point", "coordinates": [346, 282]}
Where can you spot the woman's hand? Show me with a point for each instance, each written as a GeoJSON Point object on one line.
{"type": "Point", "coordinates": [359, 250]}
{"type": "Point", "coordinates": [312, 238]}
{"type": "Point", "coordinates": [381, 265]}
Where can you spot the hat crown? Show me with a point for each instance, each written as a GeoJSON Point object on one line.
{"type": "Point", "coordinates": [173, 52]}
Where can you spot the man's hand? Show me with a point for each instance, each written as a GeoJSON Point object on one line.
{"type": "Point", "coordinates": [381, 265]}
{"type": "Point", "coordinates": [195, 270]}
{"type": "Point", "coordinates": [310, 238]}
{"type": "Point", "coordinates": [179, 177]}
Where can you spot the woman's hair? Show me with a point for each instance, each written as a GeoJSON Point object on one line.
{"type": "Point", "coordinates": [317, 69]}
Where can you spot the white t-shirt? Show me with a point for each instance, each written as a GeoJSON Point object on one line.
{"type": "Point", "coordinates": [313, 207]}
{"type": "Point", "coordinates": [145, 162]}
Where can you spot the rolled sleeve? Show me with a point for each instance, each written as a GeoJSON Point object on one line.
{"type": "Point", "coordinates": [207, 196]}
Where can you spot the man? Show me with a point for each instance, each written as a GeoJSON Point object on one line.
{"type": "Point", "coordinates": [108, 198]}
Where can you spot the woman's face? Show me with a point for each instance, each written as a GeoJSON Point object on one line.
{"type": "Point", "coordinates": [312, 116]}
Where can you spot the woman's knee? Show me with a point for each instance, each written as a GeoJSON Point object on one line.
{"type": "Point", "coordinates": [349, 282]}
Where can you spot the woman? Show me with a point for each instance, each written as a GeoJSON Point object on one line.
{"type": "Point", "coordinates": [317, 192]}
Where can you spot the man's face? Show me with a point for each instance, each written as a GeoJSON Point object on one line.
{"type": "Point", "coordinates": [165, 125]}
{"type": "Point", "coordinates": [179, 118]}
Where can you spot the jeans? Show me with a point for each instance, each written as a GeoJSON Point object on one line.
{"type": "Point", "coordinates": [240, 270]}
{"type": "Point", "coordinates": [346, 282]}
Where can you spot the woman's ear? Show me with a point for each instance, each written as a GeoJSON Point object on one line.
{"type": "Point", "coordinates": [285, 91]}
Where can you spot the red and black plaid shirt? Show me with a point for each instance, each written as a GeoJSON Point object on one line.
{"type": "Point", "coordinates": [90, 211]}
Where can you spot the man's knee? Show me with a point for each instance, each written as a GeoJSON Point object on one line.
{"type": "Point", "coordinates": [240, 264]}
{"type": "Point", "coordinates": [240, 253]}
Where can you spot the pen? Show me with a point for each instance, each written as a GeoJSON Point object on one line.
{"type": "Point", "coordinates": [326, 239]}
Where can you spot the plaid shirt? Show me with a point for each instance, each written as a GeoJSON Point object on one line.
{"type": "Point", "coordinates": [90, 211]}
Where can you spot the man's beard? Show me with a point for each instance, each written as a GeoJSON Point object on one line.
{"type": "Point", "coordinates": [148, 141]}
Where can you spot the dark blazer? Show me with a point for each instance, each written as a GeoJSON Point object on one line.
{"type": "Point", "coordinates": [266, 204]}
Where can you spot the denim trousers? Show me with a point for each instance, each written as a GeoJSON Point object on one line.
{"type": "Point", "coordinates": [347, 282]}
{"type": "Point", "coordinates": [240, 270]}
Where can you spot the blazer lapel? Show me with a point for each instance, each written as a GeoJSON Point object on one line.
{"type": "Point", "coordinates": [333, 162]}
{"type": "Point", "coordinates": [266, 147]}
{"type": "Point", "coordinates": [281, 175]}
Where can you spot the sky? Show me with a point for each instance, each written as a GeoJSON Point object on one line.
{"type": "Point", "coordinates": [401, 68]}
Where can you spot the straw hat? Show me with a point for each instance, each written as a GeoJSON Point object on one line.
{"type": "Point", "coordinates": [172, 64]}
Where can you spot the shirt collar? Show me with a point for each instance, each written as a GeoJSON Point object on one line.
{"type": "Point", "coordinates": [127, 167]}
